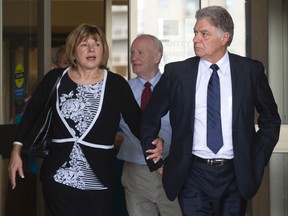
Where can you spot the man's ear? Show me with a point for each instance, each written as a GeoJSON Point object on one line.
{"type": "Point", "coordinates": [225, 38]}
{"type": "Point", "coordinates": [158, 58]}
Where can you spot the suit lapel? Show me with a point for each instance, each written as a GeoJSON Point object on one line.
{"type": "Point", "coordinates": [238, 76]}
{"type": "Point", "coordinates": [189, 79]}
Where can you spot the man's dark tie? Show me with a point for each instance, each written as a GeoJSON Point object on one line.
{"type": "Point", "coordinates": [145, 95]}
{"type": "Point", "coordinates": [214, 128]}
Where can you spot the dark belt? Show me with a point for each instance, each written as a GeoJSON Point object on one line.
{"type": "Point", "coordinates": [212, 162]}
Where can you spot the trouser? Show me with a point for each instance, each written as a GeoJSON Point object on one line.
{"type": "Point", "coordinates": [211, 190]}
{"type": "Point", "coordinates": [145, 194]}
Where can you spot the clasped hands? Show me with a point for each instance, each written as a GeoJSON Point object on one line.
{"type": "Point", "coordinates": [156, 153]}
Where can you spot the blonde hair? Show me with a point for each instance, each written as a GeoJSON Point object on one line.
{"type": "Point", "coordinates": [81, 33]}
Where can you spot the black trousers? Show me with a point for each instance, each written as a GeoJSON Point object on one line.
{"type": "Point", "coordinates": [211, 191]}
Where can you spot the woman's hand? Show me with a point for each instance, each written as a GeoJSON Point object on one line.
{"type": "Point", "coordinates": [160, 170]}
{"type": "Point", "coordinates": [156, 153]}
{"type": "Point", "coordinates": [15, 165]}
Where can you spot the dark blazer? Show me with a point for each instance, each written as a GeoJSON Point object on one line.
{"type": "Point", "coordinates": [118, 99]}
{"type": "Point", "coordinates": [175, 92]}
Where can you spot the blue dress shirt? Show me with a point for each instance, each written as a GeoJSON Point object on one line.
{"type": "Point", "coordinates": [131, 149]}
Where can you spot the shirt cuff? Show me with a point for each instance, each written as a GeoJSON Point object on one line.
{"type": "Point", "coordinates": [17, 143]}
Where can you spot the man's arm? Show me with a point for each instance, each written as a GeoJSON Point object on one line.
{"type": "Point", "coordinates": [157, 107]}
{"type": "Point", "coordinates": [269, 121]}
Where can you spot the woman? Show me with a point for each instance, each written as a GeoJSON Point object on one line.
{"type": "Point", "coordinates": [77, 175]}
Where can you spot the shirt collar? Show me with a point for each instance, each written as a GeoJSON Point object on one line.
{"type": "Point", "coordinates": [222, 63]}
{"type": "Point", "coordinates": [153, 81]}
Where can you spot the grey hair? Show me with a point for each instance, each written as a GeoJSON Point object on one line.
{"type": "Point", "coordinates": [218, 17]}
{"type": "Point", "coordinates": [157, 43]}
{"type": "Point", "coordinates": [56, 53]}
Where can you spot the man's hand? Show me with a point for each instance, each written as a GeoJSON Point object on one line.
{"type": "Point", "coordinates": [156, 153]}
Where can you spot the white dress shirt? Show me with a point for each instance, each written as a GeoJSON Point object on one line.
{"type": "Point", "coordinates": [200, 130]}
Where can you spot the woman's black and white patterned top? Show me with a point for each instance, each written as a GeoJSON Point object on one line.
{"type": "Point", "coordinates": [78, 105]}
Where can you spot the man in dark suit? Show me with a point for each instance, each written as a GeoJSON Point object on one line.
{"type": "Point", "coordinates": [213, 178]}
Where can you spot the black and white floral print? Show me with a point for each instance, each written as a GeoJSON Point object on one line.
{"type": "Point", "coordinates": [77, 172]}
{"type": "Point", "coordinates": [79, 108]}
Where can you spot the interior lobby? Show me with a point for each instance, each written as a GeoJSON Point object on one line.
{"type": "Point", "coordinates": [30, 30]}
